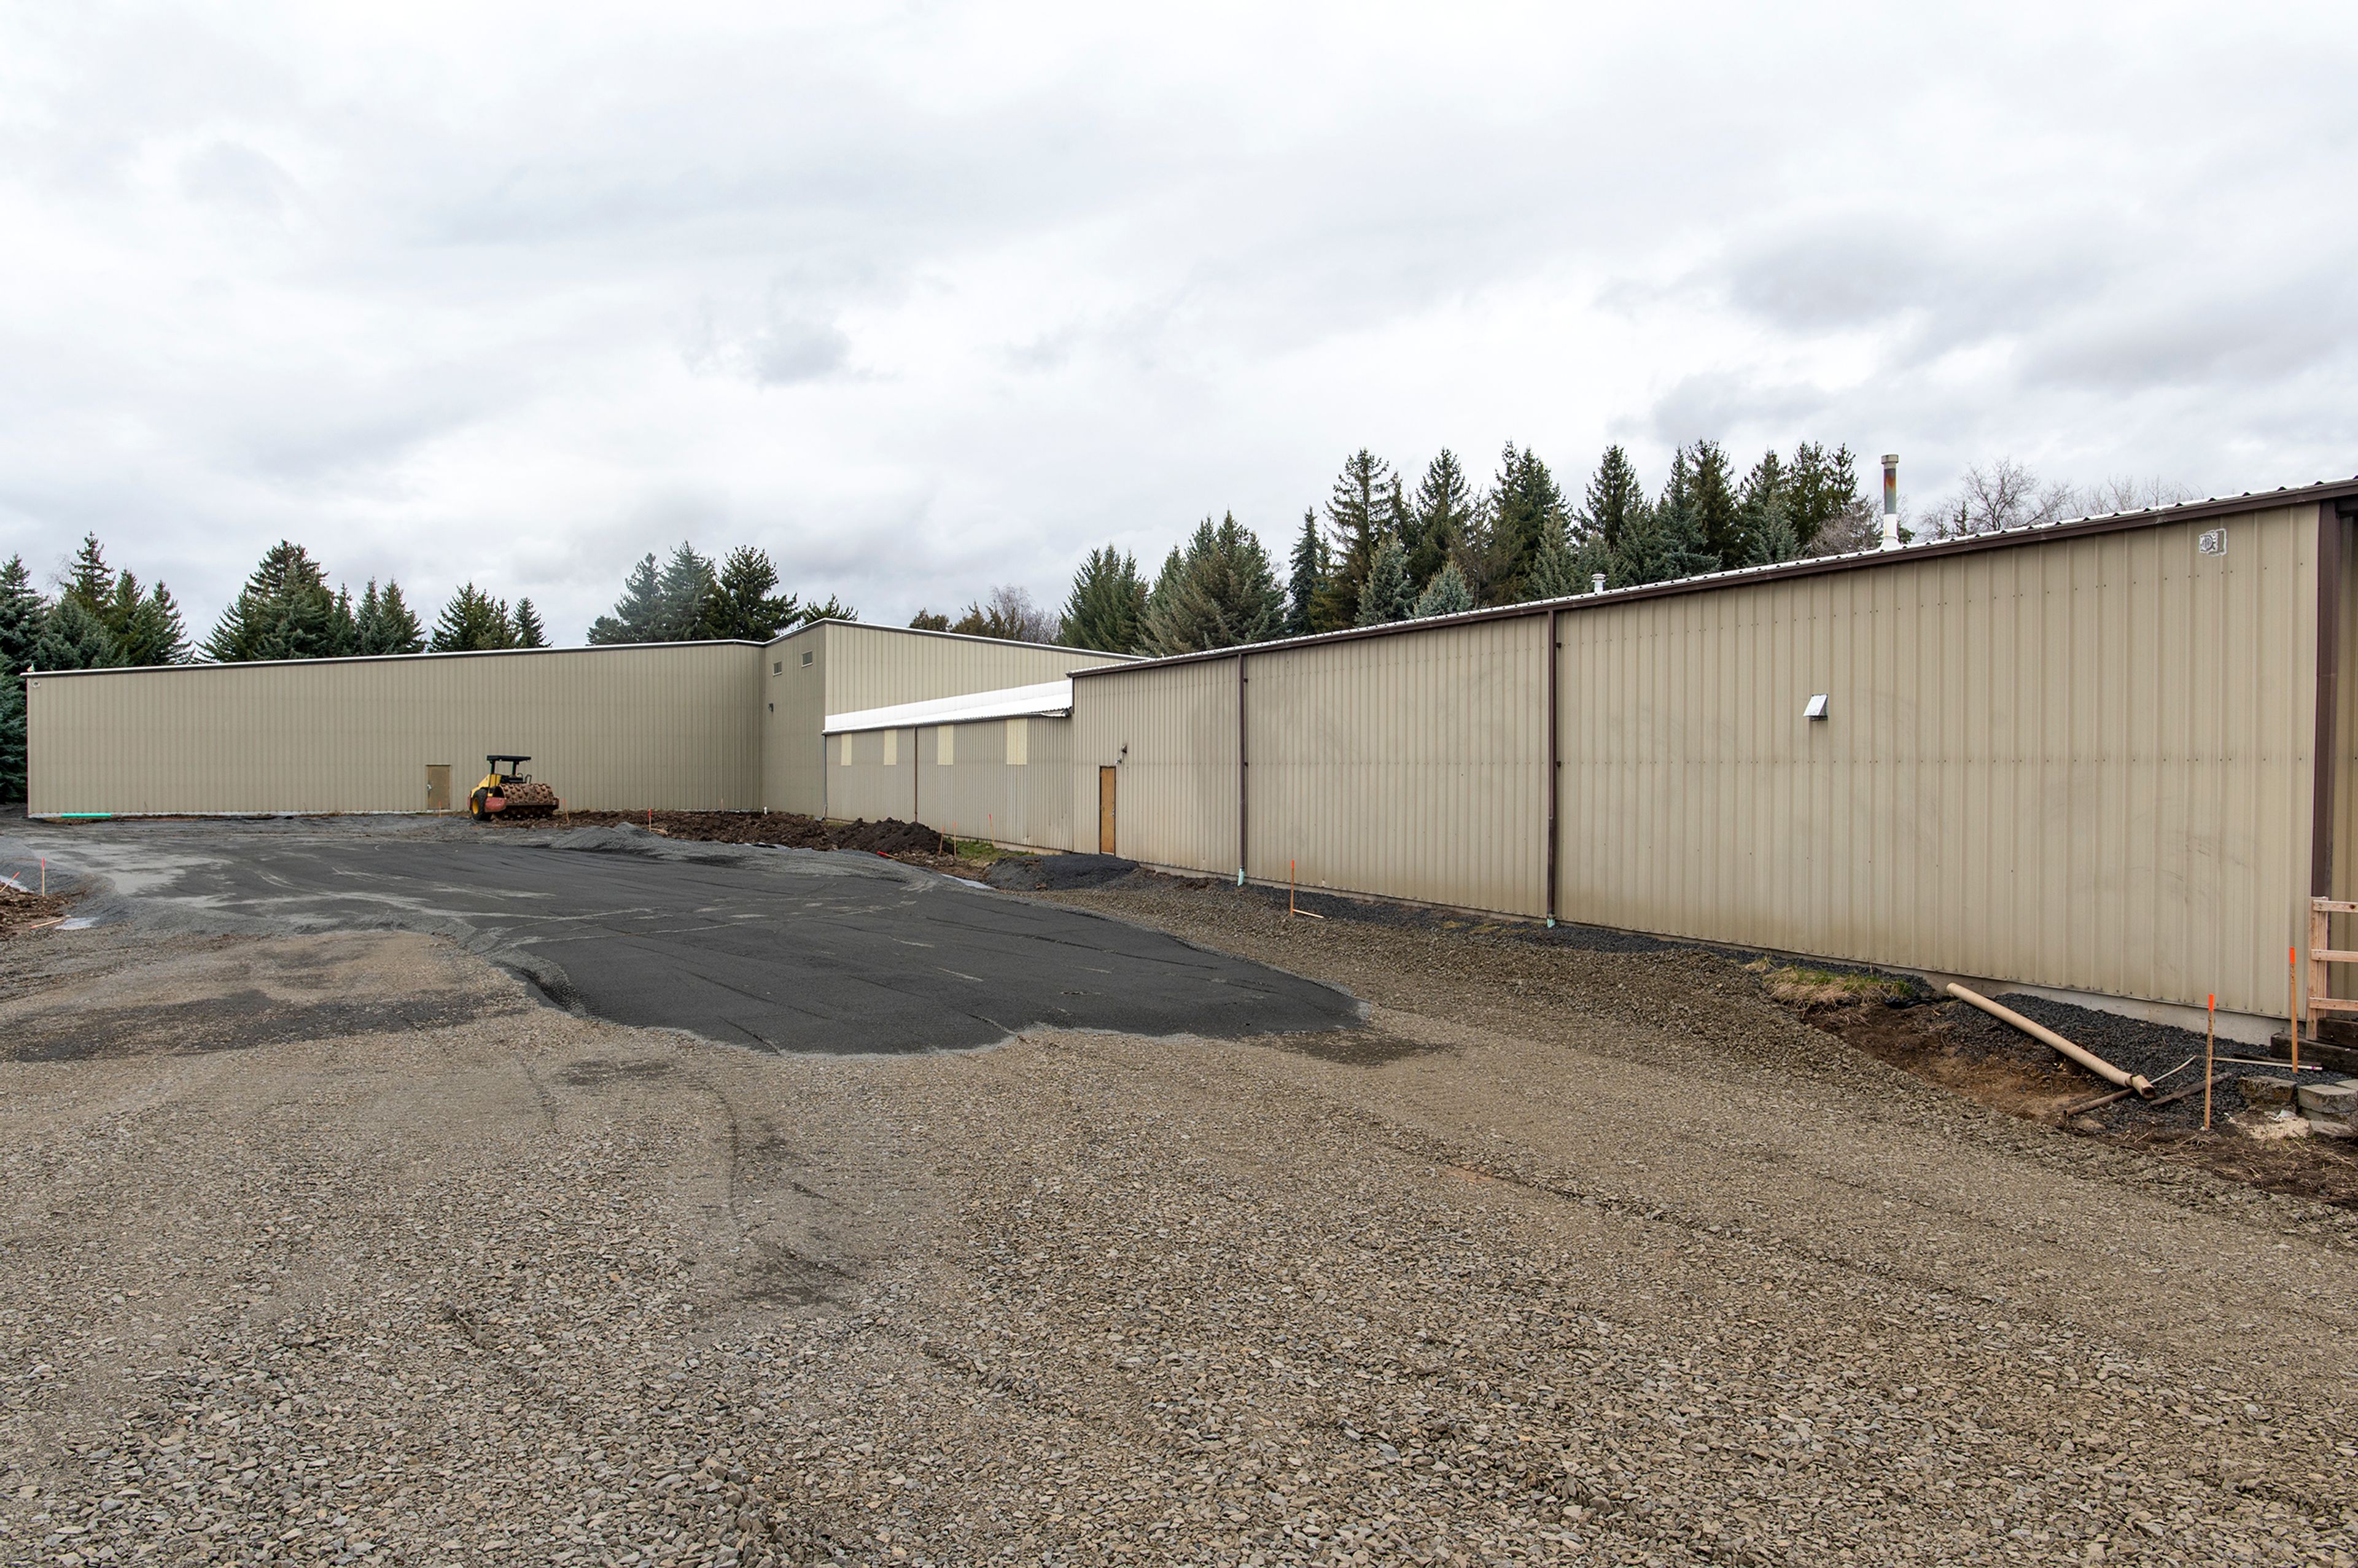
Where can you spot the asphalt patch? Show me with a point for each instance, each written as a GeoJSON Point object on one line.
{"type": "Point", "coordinates": [237, 1021]}
{"type": "Point", "coordinates": [777, 950]}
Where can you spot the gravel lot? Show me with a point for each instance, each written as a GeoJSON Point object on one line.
{"type": "Point", "coordinates": [1569, 1256]}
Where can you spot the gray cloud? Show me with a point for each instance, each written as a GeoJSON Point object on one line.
{"type": "Point", "coordinates": [923, 300]}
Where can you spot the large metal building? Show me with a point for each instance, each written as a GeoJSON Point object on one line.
{"type": "Point", "coordinates": [2103, 757]}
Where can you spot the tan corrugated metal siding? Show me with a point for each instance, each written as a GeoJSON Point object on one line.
{"type": "Point", "coordinates": [794, 719]}
{"type": "Point", "coordinates": [986, 791]}
{"type": "Point", "coordinates": [2081, 763]}
{"type": "Point", "coordinates": [1176, 783]}
{"type": "Point", "coordinates": [1412, 766]}
{"type": "Point", "coordinates": [877, 783]}
{"type": "Point", "coordinates": [610, 729]}
{"type": "Point", "coordinates": [877, 667]}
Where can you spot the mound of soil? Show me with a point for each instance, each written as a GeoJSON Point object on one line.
{"type": "Point", "coordinates": [1057, 874]}
{"type": "Point", "coordinates": [19, 911]}
{"type": "Point", "coordinates": [890, 836]}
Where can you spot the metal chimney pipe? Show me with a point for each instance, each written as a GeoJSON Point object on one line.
{"type": "Point", "coordinates": [1891, 501]}
{"type": "Point", "coordinates": [1597, 582]}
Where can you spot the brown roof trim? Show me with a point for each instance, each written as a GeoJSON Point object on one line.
{"type": "Point", "coordinates": [953, 636]}
{"type": "Point", "coordinates": [2344, 491]}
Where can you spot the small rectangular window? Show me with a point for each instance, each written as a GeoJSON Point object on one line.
{"type": "Point", "coordinates": [777, 666]}
{"type": "Point", "coordinates": [807, 657]}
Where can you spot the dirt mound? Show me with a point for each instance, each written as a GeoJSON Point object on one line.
{"type": "Point", "coordinates": [890, 836]}
{"type": "Point", "coordinates": [20, 912]}
{"type": "Point", "coordinates": [1055, 873]}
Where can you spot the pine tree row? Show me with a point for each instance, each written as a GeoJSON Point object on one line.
{"type": "Point", "coordinates": [687, 600]}
{"type": "Point", "coordinates": [1380, 554]}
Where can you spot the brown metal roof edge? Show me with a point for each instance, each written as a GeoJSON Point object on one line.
{"type": "Point", "coordinates": [2006, 538]}
{"type": "Point", "coordinates": [386, 658]}
{"type": "Point", "coordinates": [954, 636]}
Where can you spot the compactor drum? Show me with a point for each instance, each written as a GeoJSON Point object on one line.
{"type": "Point", "coordinates": [508, 792]}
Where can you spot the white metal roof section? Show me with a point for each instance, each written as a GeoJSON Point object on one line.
{"type": "Point", "coordinates": [1007, 702]}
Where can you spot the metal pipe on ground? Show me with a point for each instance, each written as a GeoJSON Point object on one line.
{"type": "Point", "coordinates": [2047, 1036]}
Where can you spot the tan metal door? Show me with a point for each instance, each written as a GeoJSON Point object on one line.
{"type": "Point", "coordinates": [1105, 811]}
{"type": "Point", "coordinates": [437, 786]}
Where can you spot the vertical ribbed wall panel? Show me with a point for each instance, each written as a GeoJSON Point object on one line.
{"type": "Point", "coordinates": [1411, 766]}
{"type": "Point", "coordinates": [1171, 736]}
{"type": "Point", "coordinates": [610, 729]}
{"type": "Point", "coordinates": [2081, 763]}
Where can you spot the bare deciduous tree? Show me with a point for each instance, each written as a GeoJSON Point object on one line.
{"type": "Point", "coordinates": [1008, 612]}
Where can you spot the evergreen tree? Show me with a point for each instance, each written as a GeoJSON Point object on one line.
{"type": "Point", "coordinates": [147, 629]}
{"type": "Point", "coordinates": [744, 602]}
{"type": "Point", "coordinates": [1665, 541]}
{"type": "Point", "coordinates": [638, 615]}
{"type": "Point", "coordinates": [1820, 487]}
{"type": "Point", "coordinates": [383, 624]}
{"type": "Point", "coordinates": [1306, 599]}
{"type": "Point", "coordinates": [21, 615]}
{"type": "Point", "coordinates": [1615, 493]}
{"type": "Point", "coordinates": [471, 623]}
{"type": "Point", "coordinates": [1526, 506]}
{"type": "Point", "coordinates": [1767, 530]}
{"type": "Point", "coordinates": [529, 632]}
{"type": "Point", "coordinates": [1444, 516]}
{"type": "Point", "coordinates": [73, 638]}
{"type": "Point", "coordinates": [12, 737]}
{"type": "Point", "coordinates": [1446, 594]}
{"type": "Point", "coordinates": [1712, 504]}
{"type": "Point", "coordinates": [89, 580]}
{"type": "Point", "coordinates": [688, 588]}
{"type": "Point", "coordinates": [929, 621]}
{"type": "Point", "coordinates": [285, 611]}
{"type": "Point", "coordinates": [1108, 604]}
{"type": "Point", "coordinates": [831, 609]}
{"type": "Point", "coordinates": [1221, 592]}
{"type": "Point", "coordinates": [1389, 595]}
{"type": "Point", "coordinates": [1360, 515]}
{"type": "Point", "coordinates": [1556, 570]}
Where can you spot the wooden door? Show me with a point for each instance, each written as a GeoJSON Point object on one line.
{"type": "Point", "coordinates": [1105, 811]}
{"type": "Point", "coordinates": [437, 786]}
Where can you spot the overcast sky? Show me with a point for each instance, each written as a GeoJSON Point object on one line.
{"type": "Point", "coordinates": [925, 298]}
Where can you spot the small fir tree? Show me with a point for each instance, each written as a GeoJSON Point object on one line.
{"type": "Point", "coordinates": [1220, 592]}
{"type": "Point", "coordinates": [73, 638]}
{"type": "Point", "coordinates": [529, 632]}
{"type": "Point", "coordinates": [472, 622]}
{"type": "Point", "coordinates": [688, 588]}
{"type": "Point", "coordinates": [637, 616]}
{"type": "Point", "coordinates": [828, 608]}
{"type": "Point", "coordinates": [1526, 507]}
{"type": "Point", "coordinates": [1446, 594]}
{"type": "Point", "coordinates": [1443, 513]}
{"type": "Point", "coordinates": [284, 611]}
{"type": "Point", "coordinates": [1305, 606]}
{"type": "Point", "coordinates": [1389, 595]}
{"type": "Point", "coordinates": [1360, 515]}
{"type": "Point", "coordinates": [22, 611]}
{"type": "Point", "coordinates": [1615, 493]}
{"type": "Point", "coordinates": [12, 737]}
{"type": "Point", "coordinates": [1555, 571]}
{"type": "Point", "coordinates": [1107, 606]}
{"type": "Point", "coordinates": [383, 623]}
{"type": "Point", "coordinates": [745, 602]}
{"type": "Point", "coordinates": [147, 627]}
{"type": "Point", "coordinates": [89, 580]}
{"type": "Point", "coordinates": [1714, 508]}
{"type": "Point", "coordinates": [929, 621]}
{"type": "Point", "coordinates": [1821, 487]}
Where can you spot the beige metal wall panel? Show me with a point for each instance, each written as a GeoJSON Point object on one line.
{"type": "Point", "coordinates": [609, 729]}
{"type": "Point", "coordinates": [877, 667]}
{"type": "Point", "coordinates": [984, 792]}
{"type": "Point", "coordinates": [1176, 782]}
{"type": "Point", "coordinates": [878, 783]}
{"type": "Point", "coordinates": [2343, 932]}
{"type": "Point", "coordinates": [1411, 766]}
{"type": "Point", "coordinates": [2081, 763]}
{"type": "Point", "coordinates": [794, 721]}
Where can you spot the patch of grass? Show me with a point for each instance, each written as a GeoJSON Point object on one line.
{"type": "Point", "coordinates": [1798, 985]}
{"type": "Point", "coordinates": [979, 849]}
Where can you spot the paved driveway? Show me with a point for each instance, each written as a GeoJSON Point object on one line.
{"type": "Point", "coordinates": [779, 949]}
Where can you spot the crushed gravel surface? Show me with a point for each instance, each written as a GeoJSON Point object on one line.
{"type": "Point", "coordinates": [1568, 1256]}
